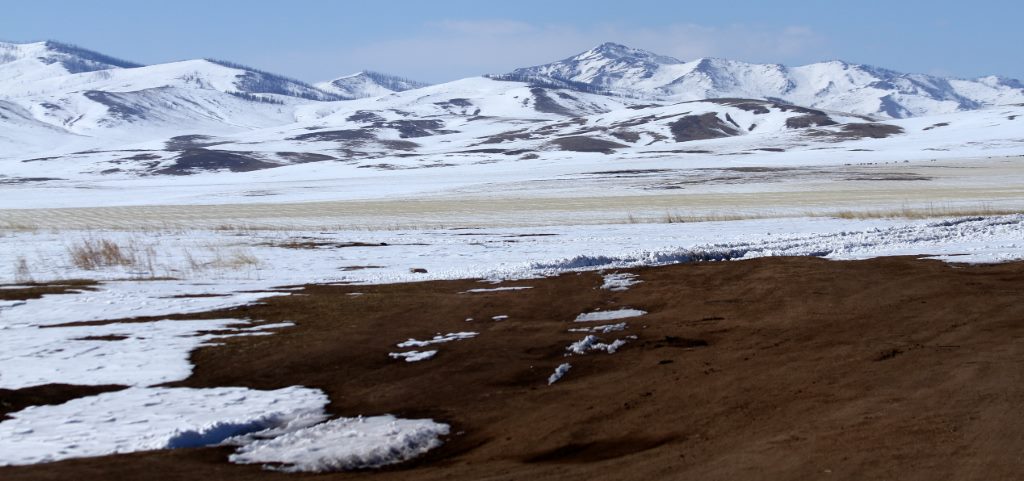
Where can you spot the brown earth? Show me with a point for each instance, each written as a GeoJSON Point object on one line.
{"type": "Point", "coordinates": [14, 400]}
{"type": "Point", "coordinates": [779, 368]}
{"type": "Point", "coordinates": [26, 291]}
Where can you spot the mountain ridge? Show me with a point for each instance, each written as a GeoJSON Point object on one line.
{"type": "Point", "coordinates": [834, 85]}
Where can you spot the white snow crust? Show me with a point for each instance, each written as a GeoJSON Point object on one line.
{"type": "Point", "coordinates": [141, 419]}
{"type": "Point", "coordinates": [609, 315]}
{"type": "Point", "coordinates": [345, 444]}
{"type": "Point", "coordinates": [559, 373]}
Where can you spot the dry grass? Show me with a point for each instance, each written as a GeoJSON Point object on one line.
{"type": "Point", "coordinates": [677, 218]}
{"type": "Point", "coordinates": [222, 259]}
{"type": "Point", "coordinates": [92, 254]}
{"type": "Point", "coordinates": [928, 212]}
{"type": "Point", "coordinates": [22, 274]}
{"type": "Point", "coordinates": [905, 212]}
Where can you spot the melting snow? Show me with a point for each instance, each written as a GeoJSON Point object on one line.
{"type": "Point", "coordinates": [438, 339]}
{"type": "Point", "coordinates": [136, 354]}
{"type": "Point", "coordinates": [496, 289]}
{"type": "Point", "coordinates": [609, 315]}
{"type": "Point", "coordinates": [619, 282]}
{"type": "Point", "coordinates": [602, 329]}
{"type": "Point", "coordinates": [560, 371]}
{"type": "Point", "coordinates": [413, 356]}
{"type": "Point", "coordinates": [345, 444]}
{"type": "Point", "coordinates": [141, 419]}
{"type": "Point", "coordinates": [593, 343]}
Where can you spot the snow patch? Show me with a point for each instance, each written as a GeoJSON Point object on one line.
{"type": "Point", "coordinates": [602, 329]}
{"type": "Point", "coordinates": [609, 315]}
{"type": "Point", "coordinates": [593, 343]}
{"type": "Point", "coordinates": [135, 354]}
{"type": "Point", "coordinates": [438, 339]}
{"type": "Point", "coordinates": [496, 289]}
{"type": "Point", "coordinates": [345, 444]}
{"type": "Point", "coordinates": [142, 419]}
{"type": "Point", "coordinates": [413, 356]}
{"type": "Point", "coordinates": [560, 372]}
{"type": "Point", "coordinates": [618, 282]}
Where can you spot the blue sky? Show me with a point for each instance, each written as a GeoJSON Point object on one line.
{"type": "Point", "coordinates": [441, 40]}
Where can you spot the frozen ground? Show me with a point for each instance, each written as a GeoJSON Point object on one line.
{"type": "Point", "coordinates": [43, 341]}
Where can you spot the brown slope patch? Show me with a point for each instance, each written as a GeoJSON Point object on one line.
{"type": "Point", "coordinates": [701, 127]}
{"type": "Point", "coordinates": [14, 400]}
{"type": "Point", "coordinates": [343, 135]}
{"type": "Point", "coordinates": [582, 143]}
{"type": "Point", "coordinates": [869, 130]}
{"type": "Point", "coordinates": [776, 368]}
{"type": "Point", "coordinates": [542, 102]}
{"type": "Point", "coordinates": [24, 292]}
{"type": "Point", "coordinates": [194, 161]}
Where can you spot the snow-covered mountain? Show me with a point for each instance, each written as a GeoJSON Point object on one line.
{"type": "Point", "coordinates": [42, 60]}
{"type": "Point", "coordinates": [368, 84]}
{"type": "Point", "coordinates": [480, 121]}
{"type": "Point", "coordinates": [69, 113]}
{"type": "Point", "coordinates": [834, 85]}
{"type": "Point", "coordinates": [95, 100]}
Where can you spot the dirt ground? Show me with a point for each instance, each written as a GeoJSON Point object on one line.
{"type": "Point", "coordinates": [777, 368]}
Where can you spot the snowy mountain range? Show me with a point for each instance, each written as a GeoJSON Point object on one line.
{"type": "Point", "coordinates": [835, 85]}
{"type": "Point", "coordinates": [88, 114]}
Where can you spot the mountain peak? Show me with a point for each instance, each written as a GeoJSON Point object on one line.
{"type": "Point", "coordinates": [367, 83]}
{"type": "Point", "coordinates": [619, 52]}
{"type": "Point", "coordinates": [832, 85]}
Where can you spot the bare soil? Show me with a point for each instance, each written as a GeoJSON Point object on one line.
{"type": "Point", "coordinates": [779, 368]}
{"type": "Point", "coordinates": [23, 292]}
{"type": "Point", "coordinates": [13, 400]}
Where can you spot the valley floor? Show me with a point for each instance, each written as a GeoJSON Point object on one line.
{"type": "Point", "coordinates": [777, 368]}
{"type": "Point", "coordinates": [562, 193]}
